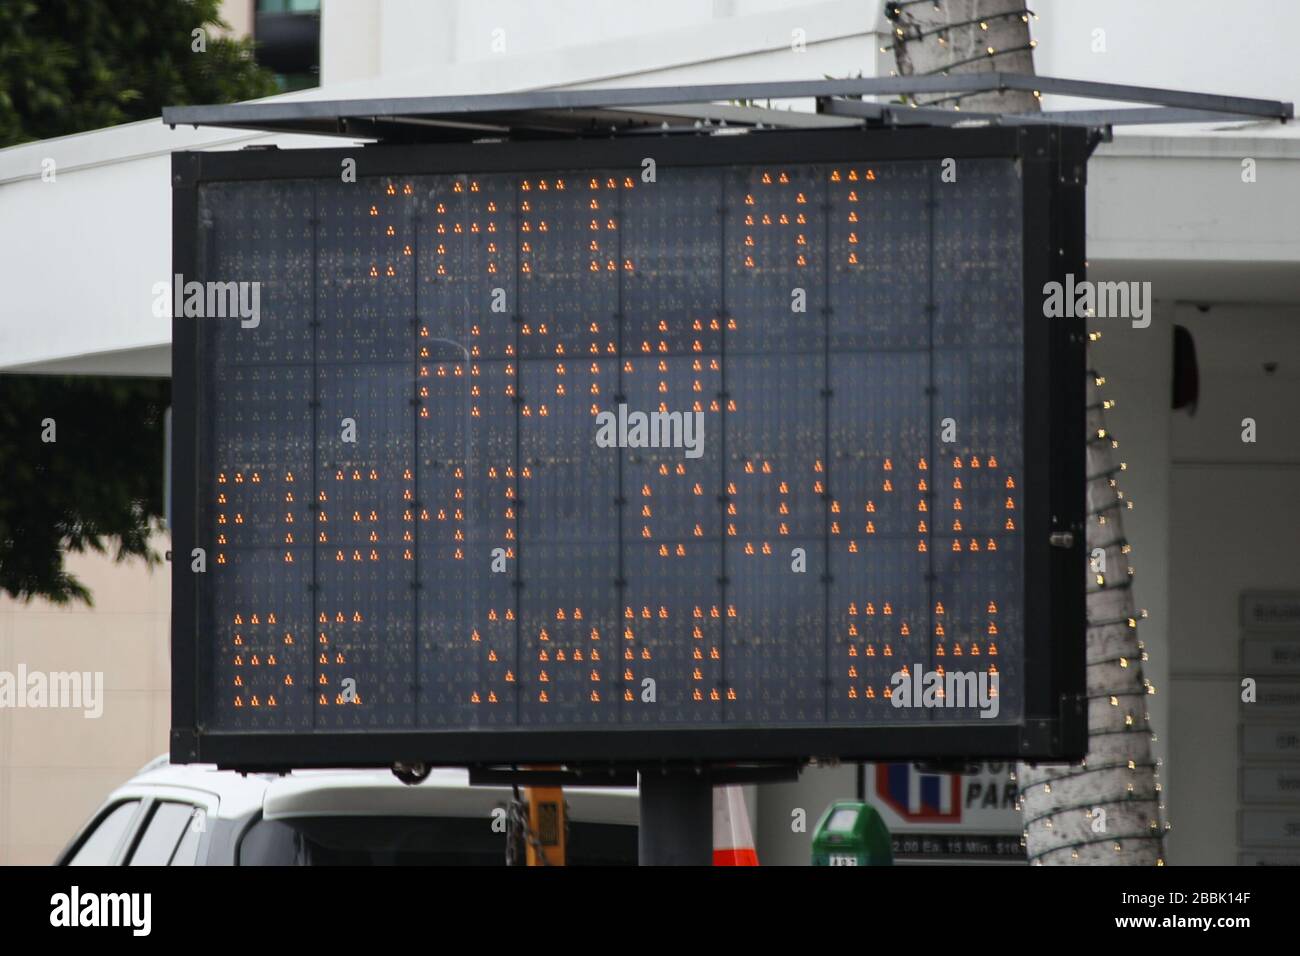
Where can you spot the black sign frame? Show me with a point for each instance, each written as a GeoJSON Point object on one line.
{"type": "Point", "coordinates": [1053, 161]}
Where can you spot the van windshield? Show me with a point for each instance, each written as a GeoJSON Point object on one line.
{"type": "Point", "coordinates": [415, 841]}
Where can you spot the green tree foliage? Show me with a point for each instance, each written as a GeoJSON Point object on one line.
{"type": "Point", "coordinates": [98, 486]}
{"type": "Point", "coordinates": [67, 66]}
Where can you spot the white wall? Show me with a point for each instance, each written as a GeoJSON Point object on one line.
{"type": "Point", "coordinates": [56, 765]}
{"type": "Point", "coordinates": [1234, 526]}
{"type": "Point", "coordinates": [107, 244]}
{"type": "Point", "coordinates": [1243, 48]}
{"type": "Point", "coordinates": [454, 46]}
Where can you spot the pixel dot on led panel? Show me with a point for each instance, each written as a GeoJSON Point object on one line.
{"type": "Point", "coordinates": [413, 526]}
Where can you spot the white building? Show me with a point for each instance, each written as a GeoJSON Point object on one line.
{"type": "Point", "coordinates": [1213, 516]}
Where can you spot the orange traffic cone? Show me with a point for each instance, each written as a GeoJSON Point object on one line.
{"type": "Point", "coordinates": [733, 841]}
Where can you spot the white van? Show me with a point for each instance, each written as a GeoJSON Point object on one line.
{"type": "Point", "coordinates": [197, 815]}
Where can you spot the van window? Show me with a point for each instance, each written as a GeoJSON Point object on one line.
{"type": "Point", "coordinates": [188, 851]}
{"type": "Point", "coordinates": [97, 849]}
{"type": "Point", "coordinates": [167, 824]}
{"type": "Point", "coordinates": [415, 841]}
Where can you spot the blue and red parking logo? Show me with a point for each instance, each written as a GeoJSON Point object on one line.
{"type": "Point", "coordinates": [919, 797]}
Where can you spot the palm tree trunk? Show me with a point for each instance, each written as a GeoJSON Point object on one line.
{"type": "Point", "coordinates": [965, 36]}
{"type": "Point", "coordinates": [1108, 808]}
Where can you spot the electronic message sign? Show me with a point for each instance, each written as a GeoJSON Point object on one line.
{"type": "Point", "coordinates": [685, 448]}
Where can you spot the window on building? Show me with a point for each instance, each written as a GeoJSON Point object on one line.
{"type": "Point", "coordinates": [287, 33]}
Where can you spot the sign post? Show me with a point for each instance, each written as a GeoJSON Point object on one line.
{"type": "Point", "coordinates": [676, 820]}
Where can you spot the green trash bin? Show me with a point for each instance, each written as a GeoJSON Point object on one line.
{"type": "Point", "coordinates": [851, 834]}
